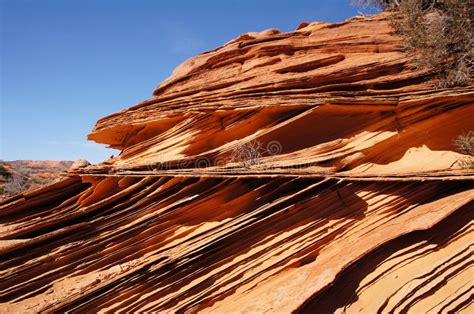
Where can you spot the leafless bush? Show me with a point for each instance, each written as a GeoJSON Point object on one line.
{"type": "Point", "coordinates": [438, 33]}
{"type": "Point", "coordinates": [15, 184]}
{"type": "Point", "coordinates": [465, 143]}
{"type": "Point", "coordinates": [3, 171]}
{"type": "Point", "coordinates": [368, 7]}
{"type": "Point", "coordinates": [248, 154]}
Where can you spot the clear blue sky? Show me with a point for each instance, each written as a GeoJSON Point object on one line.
{"type": "Point", "coordinates": [67, 63]}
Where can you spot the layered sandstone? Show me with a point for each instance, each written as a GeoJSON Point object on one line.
{"type": "Point", "coordinates": [356, 202]}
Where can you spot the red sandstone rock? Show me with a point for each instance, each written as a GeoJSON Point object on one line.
{"type": "Point", "coordinates": [354, 200]}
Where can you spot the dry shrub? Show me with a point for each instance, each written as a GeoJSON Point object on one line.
{"type": "Point", "coordinates": [465, 144]}
{"type": "Point", "coordinates": [439, 33]}
{"type": "Point", "coordinates": [248, 154]}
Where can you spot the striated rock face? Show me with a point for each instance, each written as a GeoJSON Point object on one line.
{"type": "Point", "coordinates": [310, 171]}
{"type": "Point", "coordinates": [23, 175]}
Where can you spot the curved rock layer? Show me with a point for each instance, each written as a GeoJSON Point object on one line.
{"type": "Point", "coordinates": [221, 244]}
{"type": "Point", "coordinates": [357, 202]}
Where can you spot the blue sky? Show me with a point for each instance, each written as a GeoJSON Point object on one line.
{"type": "Point", "coordinates": [67, 63]}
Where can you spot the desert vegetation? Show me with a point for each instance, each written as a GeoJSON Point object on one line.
{"type": "Point", "coordinates": [264, 175]}
{"type": "Point", "coordinates": [20, 176]}
{"type": "Point", "coordinates": [438, 33]}
{"type": "Point", "coordinates": [465, 144]}
{"type": "Point", "coordinates": [247, 154]}
{"type": "Point", "coordinates": [16, 184]}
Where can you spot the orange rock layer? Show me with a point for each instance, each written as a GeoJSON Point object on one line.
{"type": "Point", "coordinates": [357, 202]}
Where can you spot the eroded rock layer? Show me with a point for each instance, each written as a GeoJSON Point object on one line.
{"type": "Point", "coordinates": [356, 200]}
{"type": "Point", "coordinates": [218, 244]}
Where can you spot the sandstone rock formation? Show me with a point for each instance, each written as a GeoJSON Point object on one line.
{"type": "Point", "coordinates": [355, 200]}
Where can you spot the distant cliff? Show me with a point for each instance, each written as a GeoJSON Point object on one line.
{"type": "Point", "coordinates": [22, 175]}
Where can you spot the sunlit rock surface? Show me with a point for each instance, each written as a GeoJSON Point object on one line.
{"type": "Point", "coordinates": [355, 202]}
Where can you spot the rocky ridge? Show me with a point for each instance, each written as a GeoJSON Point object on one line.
{"type": "Point", "coordinates": [22, 175]}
